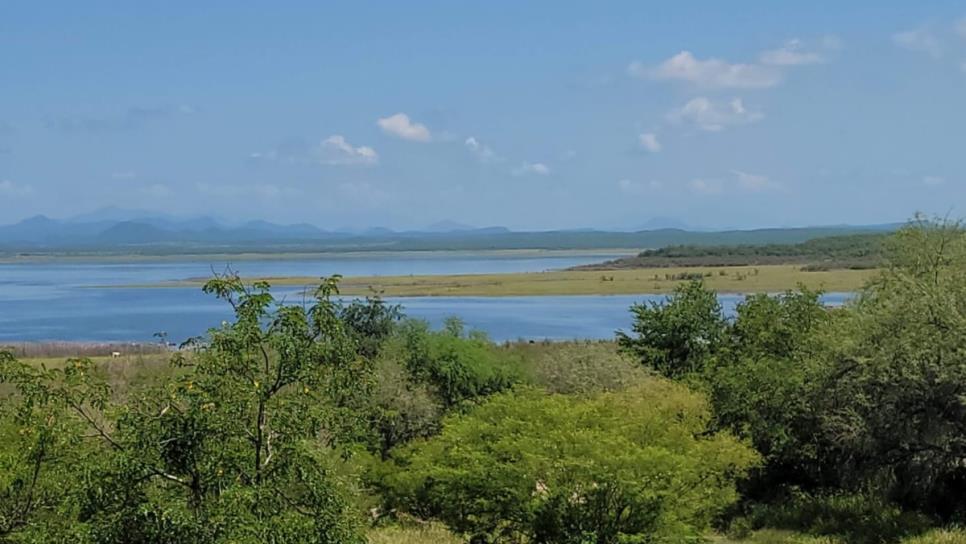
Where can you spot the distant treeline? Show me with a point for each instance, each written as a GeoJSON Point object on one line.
{"type": "Point", "coordinates": [133, 238]}
{"type": "Point", "coordinates": [855, 251]}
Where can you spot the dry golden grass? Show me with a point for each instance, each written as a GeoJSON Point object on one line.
{"type": "Point", "coordinates": [939, 536]}
{"type": "Point", "coordinates": [430, 533]}
{"type": "Point", "coordinates": [775, 536]}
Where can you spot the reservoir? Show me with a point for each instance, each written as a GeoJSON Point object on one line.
{"type": "Point", "coordinates": [85, 301]}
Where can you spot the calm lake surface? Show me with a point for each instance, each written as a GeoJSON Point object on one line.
{"type": "Point", "coordinates": [76, 300]}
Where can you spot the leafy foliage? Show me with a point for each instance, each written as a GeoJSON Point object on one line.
{"type": "Point", "coordinates": [239, 448]}
{"type": "Point", "coordinates": [632, 466]}
{"type": "Point", "coordinates": [677, 337]}
{"type": "Point", "coordinates": [572, 368]}
{"type": "Point", "coordinates": [894, 403]}
{"type": "Point", "coordinates": [458, 368]}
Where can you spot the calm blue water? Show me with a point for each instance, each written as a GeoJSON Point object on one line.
{"type": "Point", "coordinates": [68, 301]}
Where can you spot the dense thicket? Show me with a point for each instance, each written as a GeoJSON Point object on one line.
{"type": "Point", "coordinates": [865, 399]}
{"type": "Point", "coordinates": [845, 251]}
{"type": "Point", "coordinates": [632, 466]}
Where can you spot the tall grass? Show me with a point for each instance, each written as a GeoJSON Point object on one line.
{"type": "Point", "coordinates": [42, 350]}
{"type": "Point", "coordinates": [428, 533]}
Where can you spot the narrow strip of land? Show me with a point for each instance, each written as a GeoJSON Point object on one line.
{"type": "Point", "coordinates": [729, 279]}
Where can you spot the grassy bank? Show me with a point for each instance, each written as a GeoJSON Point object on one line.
{"type": "Point", "coordinates": [735, 279]}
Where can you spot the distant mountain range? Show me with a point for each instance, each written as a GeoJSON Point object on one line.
{"type": "Point", "coordinates": [116, 231]}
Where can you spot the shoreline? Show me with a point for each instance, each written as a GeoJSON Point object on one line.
{"type": "Point", "coordinates": [314, 255]}
{"type": "Point", "coordinates": [642, 281]}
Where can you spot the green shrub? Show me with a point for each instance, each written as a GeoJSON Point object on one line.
{"type": "Point", "coordinates": [579, 367]}
{"type": "Point", "coordinates": [404, 409]}
{"type": "Point", "coordinates": [458, 368]}
{"type": "Point", "coordinates": [858, 519]}
{"type": "Point", "coordinates": [618, 467]}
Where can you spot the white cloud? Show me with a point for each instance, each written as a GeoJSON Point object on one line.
{"type": "Point", "coordinates": [335, 150]}
{"type": "Point", "coordinates": [711, 116]}
{"type": "Point", "coordinates": [920, 39]}
{"type": "Point", "coordinates": [752, 182]}
{"type": "Point", "coordinates": [933, 180]}
{"type": "Point", "coordinates": [638, 187]}
{"type": "Point", "coordinates": [480, 150]}
{"type": "Point", "coordinates": [793, 53]}
{"type": "Point", "coordinates": [649, 142]}
{"type": "Point", "coordinates": [710, 73]}
{"type": "Point", "coordinates": [10, 188]}
{"type": "Point", "coordinates": [401, 126]}
{"type": "Point", "coordinates": [706, 186]}
{"type": "Point", "coordinates": [532, 168]}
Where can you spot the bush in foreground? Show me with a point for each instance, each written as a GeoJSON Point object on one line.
{"type": "Point", "coordinates": [633, 466]}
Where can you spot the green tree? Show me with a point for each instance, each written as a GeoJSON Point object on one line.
{"type": "Point", "coordinates": [676, 337]}
{"type": "Point", "coordinates": [371, 322]}
{"type": "Point", "coordinates": [459, 369]}
{"type": "Point", "coordinates": [894, 399]}
{"type": "Point", "coordinates": [761, 384]}
{"type": "Point", "coordinates": [242, 446]}
{"type": "Point", "coordinates": [633, 466]}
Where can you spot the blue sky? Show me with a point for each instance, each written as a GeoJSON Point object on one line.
{"type": "Point", "coordinates": [530, 115]}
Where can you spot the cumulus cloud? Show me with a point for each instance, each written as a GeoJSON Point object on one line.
{"type": "Point", "coordinates": [714, 73]}
{"type": "Point", "coordinates": [631, 187]}
{"type": "Point", "coordinates": [710, 73]}
{"type": "Point", "coordinates": [332, 151]}
{"type": "Point", "coordinates": [10, 188]}
{"type": "Point", "coordinates": [649, 142]}
{"type": "Point", "coordinates": [480, 150]}
{"type": "Point", "coordinates": [401, 126]}
{"type": "Point", "coordinates": [711, 116]}
{"type": "Point", "coordinates": [526, 168]}
{"type": "Point", "coordinates": [752, 182]}
{"type": "Point", "coordinates": [335, 150]}
{"type": "Point", "coordinates": [792, 53]}
{"type": "Point", "coordinates": [706, 186]}
{"type": "Point", "coordinates": [920, 40]}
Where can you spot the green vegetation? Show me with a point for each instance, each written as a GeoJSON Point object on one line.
{"type": "Point", "coordinates": [735, 279]}
{"type": "Point", "coordinates": [345, 422]}
{"type": "Point", "coordinates": [853, 251]}
{"type": "Point", "coordinates": [533, 467]}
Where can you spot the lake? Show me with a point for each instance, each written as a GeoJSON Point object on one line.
{"type": "Point", "coordinates": [75, 301]}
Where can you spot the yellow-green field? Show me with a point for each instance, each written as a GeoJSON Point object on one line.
{"type": "Point", "coordinates": [737, 279]}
